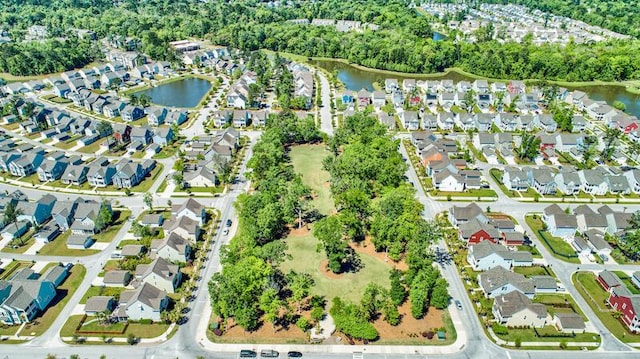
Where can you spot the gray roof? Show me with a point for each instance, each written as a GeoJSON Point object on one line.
{"type": "Point", "coordinates": [116, 277]}
{"type": "Point", "coordinates": [498, 277]}
{"type": "Point", "coordinates": [145, 293]}
{"type": "Point", "coordinates": [76, 240]}
{"type": "Point", "coordinates": [174, 241]}
{"type": "Point", "coordinates": [98, 303]}
{"type": "Point", "coordinates": [486, 248]}
{"type": "Point", "coordinates": [583, 209]}
{"type": "Point", "coordinates": [131, 250]}
{"type": "Point", "coordinates": [514, 302]}
{"type": "Point", "coordinates": [597, 239]}
{"type": "Point", "coordinates": [160, 267]}
{"type": "Point", "coordinates": [610, 278]}
{"type": "Point", "coordinates": [565, 220]}
{"type": "Point", "coordinates": [544, 282]}
{"type": "Point", "coordinates": [471, 211]}
{"type": "Point", "coordinates": [553, 209]}
{"type": "Point", "coordinates": [570, 321]}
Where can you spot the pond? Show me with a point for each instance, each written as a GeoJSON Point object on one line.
{"type": "Point", "coordinates": [355, 79]}
{"type": "Point", "coordinates": [438, 36]}
{"type": "Point", "coordinates": [182, 93]}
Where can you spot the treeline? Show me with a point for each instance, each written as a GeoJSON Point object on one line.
{"type": "Point", "coordinates": [373, 199]}
{"type": "Point", "coordinates": [33, 58]}
{"type": "Point", "coordinates": [250, 285]}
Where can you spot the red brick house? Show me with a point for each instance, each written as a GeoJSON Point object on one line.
{"type": "Point", "coordinates": [628, 304]}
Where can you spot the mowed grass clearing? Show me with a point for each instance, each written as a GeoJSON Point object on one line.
{"type": "Point", "coordinates": [349, 286]}
{"type": "Point", "coordinates": [307, 161]}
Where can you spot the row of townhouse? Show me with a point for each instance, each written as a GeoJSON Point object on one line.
{"type": "Point", "coordinates": [212, 152]}
{"type": "Point", "coordinates": [598, 182]}
{"type": "Point", "coordinates": [240, 118]}
{"type": "Point", "coordinates": [583, 219]}
{"type": "Point", "coordinates": [238, 94]}
{"type": "Point", "coordinates": [303, 83]}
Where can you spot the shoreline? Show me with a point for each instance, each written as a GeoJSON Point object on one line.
{"type": "Point", "coordinates": [631, 86]}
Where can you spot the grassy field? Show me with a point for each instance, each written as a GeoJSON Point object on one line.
{"type": "Point", "coordinates": [95, 291]}
{"type": "Point", "coordinates": [349, 286]}
{"type": "Point", "coordinates": [92, 148]}
{"type": "Point", "coordinates": [64, 293]}
{"type": "Point", "coordinates": [307, 160]}
{"type": "Point", "coordinates": [529, 335]}
{"type": "Point", "coordinates": [627, 282]}
{"type": "Point", "coordinates": [532, 270]}
{"type": "Point", "coordinates": [557, 246]}
{"type": "Point", "coordinates": [554, 303]}
{"type": "Point", "coordinates": [596, 296]}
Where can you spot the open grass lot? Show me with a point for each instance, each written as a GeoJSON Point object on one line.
{"type": "Point", "coordinates": [58, 247]}
{"type": "Point", "coordinates": [596, 296]}
{"type": "Point", "coordinates": [92, 148]}
{"type": "Point", "coordinates": [558, 247]}
{"type": "Point", "coordinates": [547, 334]}
{"type": "Point", "coordinates": [468, 193]}
{"type": "Point", "coordinates": [119, 218]}
{"type": "Point", "coordinates": [95, 291]}
{"type": "Point", "coordinates": [64, 293]}
{"type": "Point", "coordinates": [305, 259]}
{"type": "Point", "coordinates": [307, 160]}
{"type": "Point", "coordinates": [137, 329]}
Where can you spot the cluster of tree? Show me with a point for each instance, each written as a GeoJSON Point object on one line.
{"type": "Point", "coordinates": [629, 243]}
{"type": "Point", "coordinates": [250, 284]}
{"type": "Point", "coordinates": [529, 147]}
{"type": "Point", "coordinates": [33, 58]}
{"type": "Point", "coordinates": [371, 196]}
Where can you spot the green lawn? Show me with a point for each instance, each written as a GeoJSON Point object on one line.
{"type": "Point", "coordinates": [468, 193]}
{"type": "Point", "coordinates": [532, 270]}
{"type": "Point", "coordinates": [13, 267]}
{"type": "Point", "coordinates": [119, 218]}
{"type": "Point", "coordinates": [529, 335]}
{"type": "Point", "coordinates": [58, 247]}
{"type": "Point", "coordinates": [168, 150]}
{"type": "Point", "coordinates": [596, 296]}
{"type": "Point", "coordinates": [307, 160]}
{"type": "Point", "coordinates": [64, 293]}
{"type": "Point", "coordinates": [627, 281]}
{"type": "Point", "coordinates": [148, 181]}
{"type": "Point", "coordinates": [95, 291]}
{"type": "Point", "coordinates": [555, 303]}
{"type": "Point", "coordinates": [350, 286]}
{"type": "Point", "coordinates": [69, 143]}
{"type": "Point", "coordinates": [92, 148]}
{"type": "Point", "coordinates": [533, 250]}
{"type": "Point", "coordinates": [138, 330]}
{"type": "Point", "coordinates": [558, 247]}
{"type": "Point", "coordinates": [20, 246]}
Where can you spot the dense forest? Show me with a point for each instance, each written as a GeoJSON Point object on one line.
{"type": "Point", "coordinates": [402, 43]}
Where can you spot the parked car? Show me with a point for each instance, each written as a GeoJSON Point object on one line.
{"type": "Point", "coordinates": [247, 354]}
{"type": "Point", "coordinates": [225, 232]}
{"type": "Point", "coordinates": [228, 224]}
{"type": "Point", "coordinates": [294, 355]}
{"type": "Point", "coordinates": [269, 354]}
{"type": "Point", "coordinates": [458, 305]}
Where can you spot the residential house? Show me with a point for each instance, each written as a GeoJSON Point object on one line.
{"type": "Point", "coordinates": [99, 304]}
{"type": "Point", "coordinates": [79, 241]}
{"type": "Point", "coordinates": [379, 98]}
{"type": "Point", "coordinates": [172, 248]}
{"type": "Point", "coordinates": [156, 115]}
{"type": "Point", "coordinates": [568, 182]}
{"type": "Point", "coordinates": [476, 232]}
{"type": "Point", "coordinates": [515, 179]}
{"type": "Point", "coordinates": [160, 273]}
{"type": "Point", "coordinates": [628, 304]}
{"type": "Point", "coordinates": [633, 176]}
{"type": "Point", "coordinates": [51, 170]}
{"type": "Point", "coordinates": [26, 165]}
{"type": "Point", "coordinates": [116, 278]}
{"type": "Point", "coordinates": [484, 121]}
{"type": "Point", "coordinates": [100, 176]}
{"type": "Point", "coordinates": [143, 135]}
{"type": "Point", "coordinates": [364, 98]}
{"type": "Point", "coordinates": [486, 255]}
{"type": "Point", "coordinates": [85, 216]}
{"type": "Point", "coordinates": [38, 212]}
{"type": "Point", "coordinates": [131, 113]}
{"type": "Point", "coordinates": [593, 182]}
{"type": "Point", "coordinates": [446, 121]}
{"type": "Point", "coordinates": [128, 175]}
{"type": "Point", "coordinates": [499, 281]}
{"type": "Point", "coordinates": [609, 280]}
{"type": "Point", "coordinates": [515, 309]}
{"type": "Point", "coordinates": [410, 120]}
{"type": "Point", "coordinates": [541, 179]}
{"type": "Point", "coordinates": [458, 215]}
{"type": "Point", "coordinates": [391, 85]}
{"type": "Point", "coordinates": [183, 226]}
{"type": "Point", "coordinates": [144, 302]}
{"type": "Point", "coordinates": [75, 175]}
{"type": "Point", "coordinates": [163, 136]}
{"type": "Point", "coordinates": [241, 118]}
{"type": "Point", "coordinates": [448, 181]}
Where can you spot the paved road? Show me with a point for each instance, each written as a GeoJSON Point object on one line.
{"type": "Point", "coordinates": [326, 121]}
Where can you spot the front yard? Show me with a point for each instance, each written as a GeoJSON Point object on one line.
{"type": "Point", "coordinates": [557, 246]}
{"type": "Point", "coordinates": [596, 297]}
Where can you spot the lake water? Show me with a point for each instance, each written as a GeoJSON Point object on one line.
{"type": "Point", "coordinates": [355, 79]}
{"type": "Point", "coordinates": [182, 93]}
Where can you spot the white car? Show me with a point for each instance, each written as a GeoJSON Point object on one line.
{"type": "Point", "coordinates": [225, 232]}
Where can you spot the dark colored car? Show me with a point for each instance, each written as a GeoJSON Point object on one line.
{"type": "Point", "coordinates": [458, 305]}
{"type": "Point", "coordinates": [294, 355]}
{"type": "Point", "coordinates": [248, 354]}
{"type": "Point", "coordinates": [229, 223]}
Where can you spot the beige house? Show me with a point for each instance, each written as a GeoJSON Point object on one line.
{"type": "Point", "coordinates": [515, 309]}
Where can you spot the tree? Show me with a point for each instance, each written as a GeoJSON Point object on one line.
{"type": "Point", "coordinates": [529, 147]}
{"type": "Point", "coordinates": [619, 105]}
{"type": "Point", "coordinates": [611, 136]}
{"type": "Point", "coordinates": [469, 101]}
{"type": "Point", "coordinates": [105, 216]}
{"type": "Point", "coordinates": [391, 313]}
{"type": "Point", "coordinates": [131, 339]}
{"type": "Point", "coordinates": [144, 100]}
{"type": "Point", "coordinates": [104, 128]}
{"type": "Point", "coordinates": [329, 232]}
{"type": "Point", "coordinates": [299, 284]}
{"type": "Point", "coordinates": [11, 213]}
{"type": "Point", "coordinates": [147, 199]}
{"type": "Point", "coordinates": [270, 304]}
{"type": "Point", "coordinates": [349, 320]}
{"type": "Point", "coordinates": [133, 99]}
{"type": "Point", "coordinates": [371, 301]}
{"type": "Point", "coordinates": [397, 293]}
{"type": "Point", "coordinates": [440, 295]}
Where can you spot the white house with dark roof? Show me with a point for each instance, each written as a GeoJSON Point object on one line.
{"type": "Point", "coordinates": [160, 273]}
{"type": "Point", "coordinates": [144, 302]}
{"type": "Point", "coordinates": [486, 255]}
{"type": "Point", "coordinates": [515, 309]}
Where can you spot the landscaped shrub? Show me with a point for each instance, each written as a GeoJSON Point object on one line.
{"type": "Point", "coordinates": [430, 335]}
{"type": "Point", "coordinates": [146, 321]}
{"type": "Point", "coordinates": [499, 329]}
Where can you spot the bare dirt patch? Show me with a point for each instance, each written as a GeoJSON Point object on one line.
{"type": "Point", "coordinates": [265, 334]}
{"type": "Point", "coordinates": [299, 232]}
{"type": "Point", "coordinates": [367, 247]}
{"type": "Point", "coordinates": [324, 269]}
